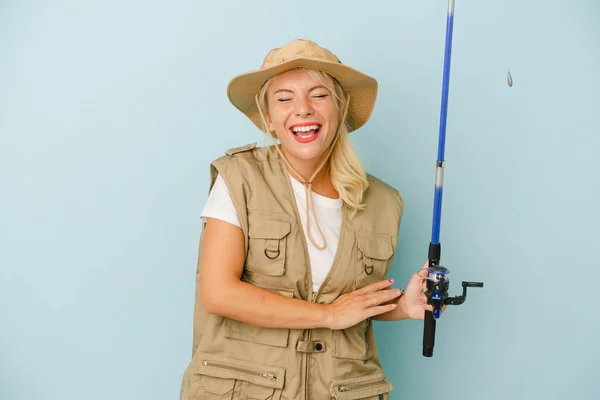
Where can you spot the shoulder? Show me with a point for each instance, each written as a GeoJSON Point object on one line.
{"type": "Point", "coordinates": [383, 194]}
{"type": "Point", "coordinates": [245, 164]}
{"type": "Point", "coordinates": [242, 149]}
{"type": "Point", "coordinates": [248, 153]}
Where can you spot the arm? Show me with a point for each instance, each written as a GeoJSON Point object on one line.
{"type": "Point", "coordinates": [399, 313]}
{"type": "Point", "coordinates": [223, 293]}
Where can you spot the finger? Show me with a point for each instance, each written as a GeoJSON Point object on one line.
{"type": "Point", "coordinates": [381, 309]}
{"type": "Point", "coordinates": [423, 294]}
{"type": "Point", "coordinates": [373, 287]}
{"type": "Point", "coordinates": [424, 271]}
{"type": "Point", "coordinates": [373, 299]}
{"type": "Point", "coordinates": [424, 278]}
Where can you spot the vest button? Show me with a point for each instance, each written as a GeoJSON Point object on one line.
{"type": "Point", "coordinates": [318, 347]}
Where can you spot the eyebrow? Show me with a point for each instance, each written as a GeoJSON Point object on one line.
{"type": "Point", "coordinates": [290, 91]}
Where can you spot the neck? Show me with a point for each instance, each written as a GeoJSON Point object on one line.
{"type": "Point", "coordinates": [321, 183]}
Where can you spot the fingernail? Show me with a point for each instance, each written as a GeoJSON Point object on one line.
{"type": "Point", "coordinates": [391, 280]}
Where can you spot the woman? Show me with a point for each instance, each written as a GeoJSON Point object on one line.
{"type": "Point", "coordinates": [297, 244]}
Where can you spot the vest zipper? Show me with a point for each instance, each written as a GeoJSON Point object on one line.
{"type": "Point", "coordinates": [238, 369]}
{"type": "Point", "coordinates": [314, 296]}
{"type": "Point", "coordinates": [336, 257]}
{"type": "Point", "coordinates": [347, 388]}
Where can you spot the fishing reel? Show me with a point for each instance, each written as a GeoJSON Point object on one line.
{"type": "Point", "coordinates": [437, 289]}
{"type": "Point", "coordinates": [438, 283]}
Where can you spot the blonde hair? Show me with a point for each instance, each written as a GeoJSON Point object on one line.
{"type": "Point", "coordinates": [346, 172]}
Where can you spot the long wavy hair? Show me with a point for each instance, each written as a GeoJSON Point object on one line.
{"type": "Point", "coordinates": [345, 170]}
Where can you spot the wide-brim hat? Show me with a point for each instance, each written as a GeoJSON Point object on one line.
{"type": "Point", "coordinates": [304, 53]}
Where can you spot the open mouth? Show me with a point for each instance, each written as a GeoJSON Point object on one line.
{"type": "Point", "coordinates": [306, 133]}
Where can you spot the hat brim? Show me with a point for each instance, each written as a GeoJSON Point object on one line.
{"type": "Point", "coordinates": [362, 88]}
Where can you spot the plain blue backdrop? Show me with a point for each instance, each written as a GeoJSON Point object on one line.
{"type": "Point", "coordinates": [110, 112]}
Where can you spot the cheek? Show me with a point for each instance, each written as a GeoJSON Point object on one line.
{"type": "Point", "coordinates": [331, 115]}
{"type": "Point", "coordinates": [279, 128]}
{"type": "Point", "coordinates": [332, 126]}
{"type": "Point", "coordinates": [277, 120]}
{"type": "Point", "coordinates": [334, 116]}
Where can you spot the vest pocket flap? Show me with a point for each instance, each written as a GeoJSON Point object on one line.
{"type": "Point", "coordinates": [256, 392]}
{"type": "Point", "coordinates": [217, 385]}
{"type": "Point", "coordinates": [267, 244]}
{"type": "Point", "coordinates": [229, 369]}
{"type": "Point", "coordinates": [364, 387]}
{"type": "Point", "coordinates": [375, 246]}
{"type": "Point", "coordinates": [268, 229]}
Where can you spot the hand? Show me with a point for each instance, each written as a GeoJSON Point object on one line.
{"type": "Point", "coordinates": [351, 308]}
{"type": "Point", "coordinates": [414, 301]}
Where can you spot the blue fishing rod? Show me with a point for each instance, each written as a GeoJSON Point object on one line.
{"type": "Point", "coordinates": [438, 277]}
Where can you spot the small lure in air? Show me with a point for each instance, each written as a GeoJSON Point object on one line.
{"type": "Point", "coordinates": [509, 77]}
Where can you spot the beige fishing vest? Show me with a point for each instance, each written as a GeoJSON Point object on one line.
{"type": "Point", "coordinates": [233, 360]}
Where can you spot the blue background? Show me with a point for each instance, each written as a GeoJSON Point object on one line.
{"type": "Point", "coordinates": [110, 112]}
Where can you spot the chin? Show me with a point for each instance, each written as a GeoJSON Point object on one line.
{"type": "Point", "coordinates": [308, 153]}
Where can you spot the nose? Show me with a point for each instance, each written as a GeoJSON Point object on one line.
{"type": "Point", "coordinates": [303, 107]}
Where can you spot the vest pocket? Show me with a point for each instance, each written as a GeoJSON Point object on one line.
{"type": "Point", "coordinates": [267, 240]}
{"type": "Point", "coordinates": [223, 378]}
{"type": "Point", "coordinates": [278, 337]}
{"type": "Point", "coordinates": [370, 387]}
{"type": "Point", "coordinates": [351, 343]}
{"type": "Point", "coordinates": [212, 388]}
{"type": "Point", "coordinates": [374, 253]}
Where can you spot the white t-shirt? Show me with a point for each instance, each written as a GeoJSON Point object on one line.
{"type": "Point", "coordinates": [329, 213]}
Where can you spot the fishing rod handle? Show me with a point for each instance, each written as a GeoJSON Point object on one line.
{"type": "Point", "coordinates": [428, 334]}
{"type": "Point", "coordinates": [435, 250]}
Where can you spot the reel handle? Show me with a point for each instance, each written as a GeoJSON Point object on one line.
{"type": "Point", "coordinates": [458, 300]}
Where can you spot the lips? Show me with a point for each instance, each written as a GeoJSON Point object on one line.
{"type": "Point", "coordinates": [305, 132]}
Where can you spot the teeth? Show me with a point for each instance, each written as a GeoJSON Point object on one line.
{"type": "Point", "coordinates": [305, 128]}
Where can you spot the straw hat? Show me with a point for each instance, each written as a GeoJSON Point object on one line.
{"type": "Point", "coordinates": [304, 53]}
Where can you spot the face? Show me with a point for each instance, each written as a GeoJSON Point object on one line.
{"type": "Point", "coordinates": [303, 115]}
